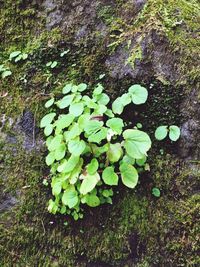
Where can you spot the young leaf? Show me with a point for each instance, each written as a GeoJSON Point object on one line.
{"type": "Point", "coordinates": [73, 132]}
{"type": "Point", "coordinates": [48, 129]}
{"type": "Point", "coordinates": [103, 99]}
{"type": "Point", "coordinates": [156, 192]}
{"type": "Point", "coordinates": [76, 109]}
{"type": "Point", "coordinates": [50, 158]}
{"type": "Point", "coordinates": [126, 99]}
{"type": "Point", "coordinates": [56, 187]}
{"type": "Point", "coordinates": [54, 64]}
{"type": "Point", "coordinates": [114, 152]}
{"type": "Point", "coordinates": [141, 162]}
{"type": "Point", "coordinates": [161, 132]}
{"type": "Point", "coordinates": [137, 143]}
{"type": "Point", "coordinates": [89, 183]}
{"type": "Point", "coordinates": [6, 73]}
{"type": "Point", "coordinates": [129, 175]}
{"type": "Point", "coordinates": [47, 119]}
{"type": "Point", "coordinates": [65, 101]}
{"type": "Point", "coordinates": [92, 126]}
{"type": "Point", "coordinates": [49, 103]}
{"type": "Point", "coordinates": [60, 152]}
{"type": "Point", "coordinates": [138, 93]}
{"type": "Point", "coordinates": [55, 142]}
{"type": "Point", "coordinates": [92, 167]}
{"type": "Point", "coordinates": [109, 176]}
{"type": "Point", "coordinates": [71, 163]}
{"type": "Point", "coordinates": [76, 147]}
{"type": "Point", "coordinates": [14, 54]}
{"type": "Point", "coordinates": [116, 124]}
{"type": "Point", "coordinates": [82, 87]}
{"type": "Point", "coordinates": [67, 88]}
{"type": "Point", "coordinates": [174, 132]}
{"type": "Point", "coordinates": [98, 136]}
{"type": "Point", "coordinates": [92, 200]}
{"type": "Point", "coordinates": [70, 197]}
{"type": "Point", "coordinates": [117, 106]}
{"type": "Point", "coordinates": [98, 90]}
{"type": "Point", "coordinates": [63, 121]}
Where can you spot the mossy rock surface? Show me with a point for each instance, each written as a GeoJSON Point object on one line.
{"type": "Point", "coordinates": [153, 43]}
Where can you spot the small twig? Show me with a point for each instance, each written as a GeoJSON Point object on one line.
{"type": "Point", "coordinates": [34, 123]}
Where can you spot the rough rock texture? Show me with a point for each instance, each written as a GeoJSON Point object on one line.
{"type": "Point", "coordinates": [155, 43]}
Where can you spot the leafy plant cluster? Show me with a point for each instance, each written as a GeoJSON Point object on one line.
{"type": "Point", "coordinates": [90, 148]}
{"type": "Point", "coordinates": [15, 56]}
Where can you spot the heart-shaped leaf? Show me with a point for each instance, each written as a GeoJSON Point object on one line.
{"type": "Point", "coordinates": [89, 183]}
{"type": "Point", "coordinates": [129, 175]}
{"type": "Point", "coordinates": [136, 143]}
{"type": "Point", "coordinates": [161, 132]}
{"type": "Point", "coordinates": [109, 176]}
{"type": "Point", "coordinates": [174, 132]}
{"type": "Point", "coordinates": [138, 93]}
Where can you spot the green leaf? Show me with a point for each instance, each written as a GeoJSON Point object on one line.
{"type": "Point", "coordinates": [92, 200]}
{"type": "Point", "coordinates": [48, 129]}
{"type": "Point", "coordinates": [76, 172]}
{"type": "Point", "coordinates": [83, 120]}
{"type": "Point", "coordinates": [174, 132]}
{"type": "Point", "coordinates": [126, 99]}
{"type": "Point", "coordinates": [100, 110]}
{"type": "Point", "coordinates": [76, 109]}
{"type": "Point", "coordinates": [117, 106]}
{"type": "Point", "coordinates": [109, 176]}
{"type": "Point", "coordinates": [128, 159]}
{"type": "Point", "coordinates": [62, 166]}
{"type": "Point", "coordinates": [137, 143]}
{"type": "Point", "coordinates": [92, 126]}
{"type": "Point", "coordinates": [55, 142]}
{"type": "Point", "coordinates": [54, 64]}
{"type": "Point", "coordinates": [161, 132]}
{"type": "Point", "coordinates": [50, 158]}
{"type": "Point", "coordinates": [98, 136]}
{"type": "Point", "coordinates": [60, 152]}
{"type": "Point", "coordinates": [82, 87]}
{"type": "Point", "coordinates": [156, 192]}
{"type": "Point", "coordinates": [89, 182]}
{"type": "Point", "coordinates": [6, 73]}
{"type": "Point", "coordinates": [63, 122]}
{"type": "Point", "coordinates": [18, 58]}
{"type": "Point", "coordinates": [70, 197]}
{"type": "Point", "coordinates": [71, 163]}
{"type": "Point", "coordinates": [67, 88]}
{"type": "Point", "coordinates": [49, 103]}
{"type": "Point", "coordinates": [141, 162]}
{"type": "Point", "coordinates": [65, 101]}
{"type": "Point", "coordinates": [116, 124]}
{"type": "Point", "coordinates": [114, 152]}
{"type": "Point", "coordinates": [56, 187]}
{"type": "Point", "coordinates": [129, 175]}
{"type": "Point", "coordinates": [47, 119]}
{"type": "Point", "coordinates": [109, 113]}
{"type": "Point", "coordinates": [138, 93]}
{"type": "Point", "coordinates": [73, 132]}
{"type": "Point", "coordinates": [76, 147]}
{"type": "Point", "coordinates": [14, 54]}
{"type": "Point", "coordinates": [103, 99]}
{"type": "Point", "coordinates": [92, 167]}
{"type": "Point", "coordinates": [98, 90]}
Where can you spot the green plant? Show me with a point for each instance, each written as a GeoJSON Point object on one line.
{"type": "Point", "coordinates": [162, 131]}
{"type": "Point", "coordinates": [156, 192]}
{"type": "Point", "coordinates": [52, 64]}
{"type": "Point", "coordinates": [90, 148]}
{"type": "Point", "coordinates": [4, 71]}
{"type": "Point", "coordinates": [17, 56]}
